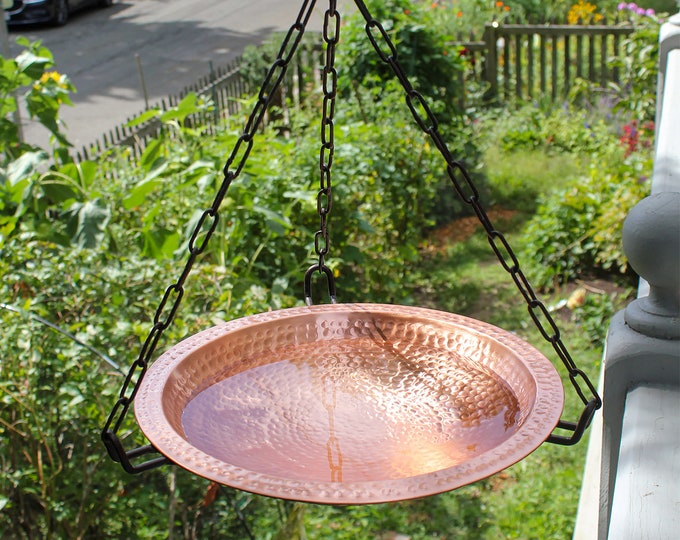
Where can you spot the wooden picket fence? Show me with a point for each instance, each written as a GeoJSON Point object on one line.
{"type": "Point", "coordinates": [513, 62]}
{"type": "Point", "coordinates": [539, 61]}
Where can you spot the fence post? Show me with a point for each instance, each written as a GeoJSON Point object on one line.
{"type": "Point", "coordinates": [642, 357]}
{"type": "Point", "coordinates": [491, 60]}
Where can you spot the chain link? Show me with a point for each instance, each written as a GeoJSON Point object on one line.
{"type": "Point", "coordinates": [331, 34]}
{"type": "Point", "coordinates": [203, 231]}
{"type": "Point", "coordinates": [469, 193]}
{"type": "Point", "coordinates": [324, 199]}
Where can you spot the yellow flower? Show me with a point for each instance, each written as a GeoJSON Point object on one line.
{"type": "Point", "coordinates": [52, 76]}
{"type": "Point", "coordinates": [583, 12]}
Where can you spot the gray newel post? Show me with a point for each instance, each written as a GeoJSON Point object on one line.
{"type": "Point", "coordinates": [640, 482]}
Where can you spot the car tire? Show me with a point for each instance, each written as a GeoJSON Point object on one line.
{"type": "Point", "coordinates": [60, 13]}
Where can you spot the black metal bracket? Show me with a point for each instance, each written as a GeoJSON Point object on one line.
{"type": "Point", "coordinates": [120, 455]}
{"type": "Point", "coordinates": [577, 429]}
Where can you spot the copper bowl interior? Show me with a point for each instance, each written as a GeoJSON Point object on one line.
{"type": "Point", "coordinates": [349, 403]}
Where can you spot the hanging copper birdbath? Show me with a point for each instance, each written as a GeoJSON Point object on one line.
{"type": "Point", "coordinates": [346, 403]}
{"type": "Point", "coordinates": [349, 403]}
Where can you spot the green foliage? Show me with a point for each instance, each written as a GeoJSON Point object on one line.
{"type": "Point", "coordinates": [530, 152]}
{"type": "Point", "coordinates": [55, 479]}
{"type": "Point", "coordinates": [44, 93]}
{"type": "Point", "coordinates": [638, 66]}
{"type": "Point", "coordinates": [582, 172]}
{"type": "Point", "coordinates": [577, 230]}
{"type": "Point", "coordinates": [63, 204]}
{"type": "Point", "coordinates": [55, 202]}
{"type": "Point", "coordinates": [594, 315]}
{"type": "Point", "coordinates": [428, 59]}
{"type": "Point", "coordinates": [552, 132]}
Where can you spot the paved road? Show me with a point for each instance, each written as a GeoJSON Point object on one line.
{"type": "Point", "coordinates": [173, 40]}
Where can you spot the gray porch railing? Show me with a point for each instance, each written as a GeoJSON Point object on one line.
{"type": "Point", "coordinates": [634, 450]}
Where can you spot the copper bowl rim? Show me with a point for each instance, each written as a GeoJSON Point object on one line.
{"type": "Point", "coordinates": [540, 421]}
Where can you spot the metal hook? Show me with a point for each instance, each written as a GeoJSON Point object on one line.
{"type": "Point", "coordinates": [308, 282]}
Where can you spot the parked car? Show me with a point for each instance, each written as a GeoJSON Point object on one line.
{"type": "Point", "coordinates": [54, 12]}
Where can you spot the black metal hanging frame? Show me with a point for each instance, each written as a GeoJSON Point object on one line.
{"type": "Point", "coordinates": [458, 174]}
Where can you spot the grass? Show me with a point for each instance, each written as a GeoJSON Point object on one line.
{"type": "Point", "coordinates": [520, 178]}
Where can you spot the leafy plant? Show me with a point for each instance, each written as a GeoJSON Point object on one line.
{"type": "Point", "coordinates": [46, 92]}
{"type": "Point", "coordinates": [577, 231]}
{"type": "Point", "coordinates": [637, 63]}
{"type": "Point", "coordinates": [427, 57]}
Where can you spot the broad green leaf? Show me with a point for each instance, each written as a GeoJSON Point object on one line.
{"type": "Point", "coordinates": [276, 221]}
{"type": "Point", "coordinates": [88, 222]}
{"type": "Point", "coordinates": [9, 133]}
{"type": "Point", "coordinates": [85, 172]}
{"type": "Point", "coordinates": [152, 153]}
{"type": "Point", "coordinates": [201, 173]}
{"type": "Point", "coordinates": [205, 181]}
{"type": "Point", "coordinates": [31, 64]}
{"type": "Point", "coordinates": [161, 243]}
{"type": "Point", "coordinates": [59, 192]}
{"type": "Point", "coordinates": [25, 166]}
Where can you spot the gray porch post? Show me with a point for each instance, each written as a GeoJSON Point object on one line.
{"type": "Point", "coordinates": [640, 465]}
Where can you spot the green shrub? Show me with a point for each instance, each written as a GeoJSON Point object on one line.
{"type": "Point", "coordinates": [426, 55]}
{"type": "Point", "coordinates": [595, 314]}
{"type": "Point", "coordinates": [576, 232]}
{"type": "Point", "coordinates": [638, 67]}
{"type": "Point", "coordinates": [44, 90]}
{"type": "Point", "coordinates": [562, 130]}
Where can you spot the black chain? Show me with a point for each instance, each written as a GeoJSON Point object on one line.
{"type": "Point", "coordinates": [324, 199]}
{"type": "Point", "coordinates": [468, 192]}
{"type": "Point", "coordinates": [200, 237]}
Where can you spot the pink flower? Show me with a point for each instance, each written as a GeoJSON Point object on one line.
{"type": "Point", "coordinates": [622, 6]}
{"type": "Point", "coordinates": [650, 12]}
{"type": "Point", "coordinates": [632, 6]}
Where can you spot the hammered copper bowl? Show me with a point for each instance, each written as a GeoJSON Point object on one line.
{"type": "Point", "coordinates": [349, 403]}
